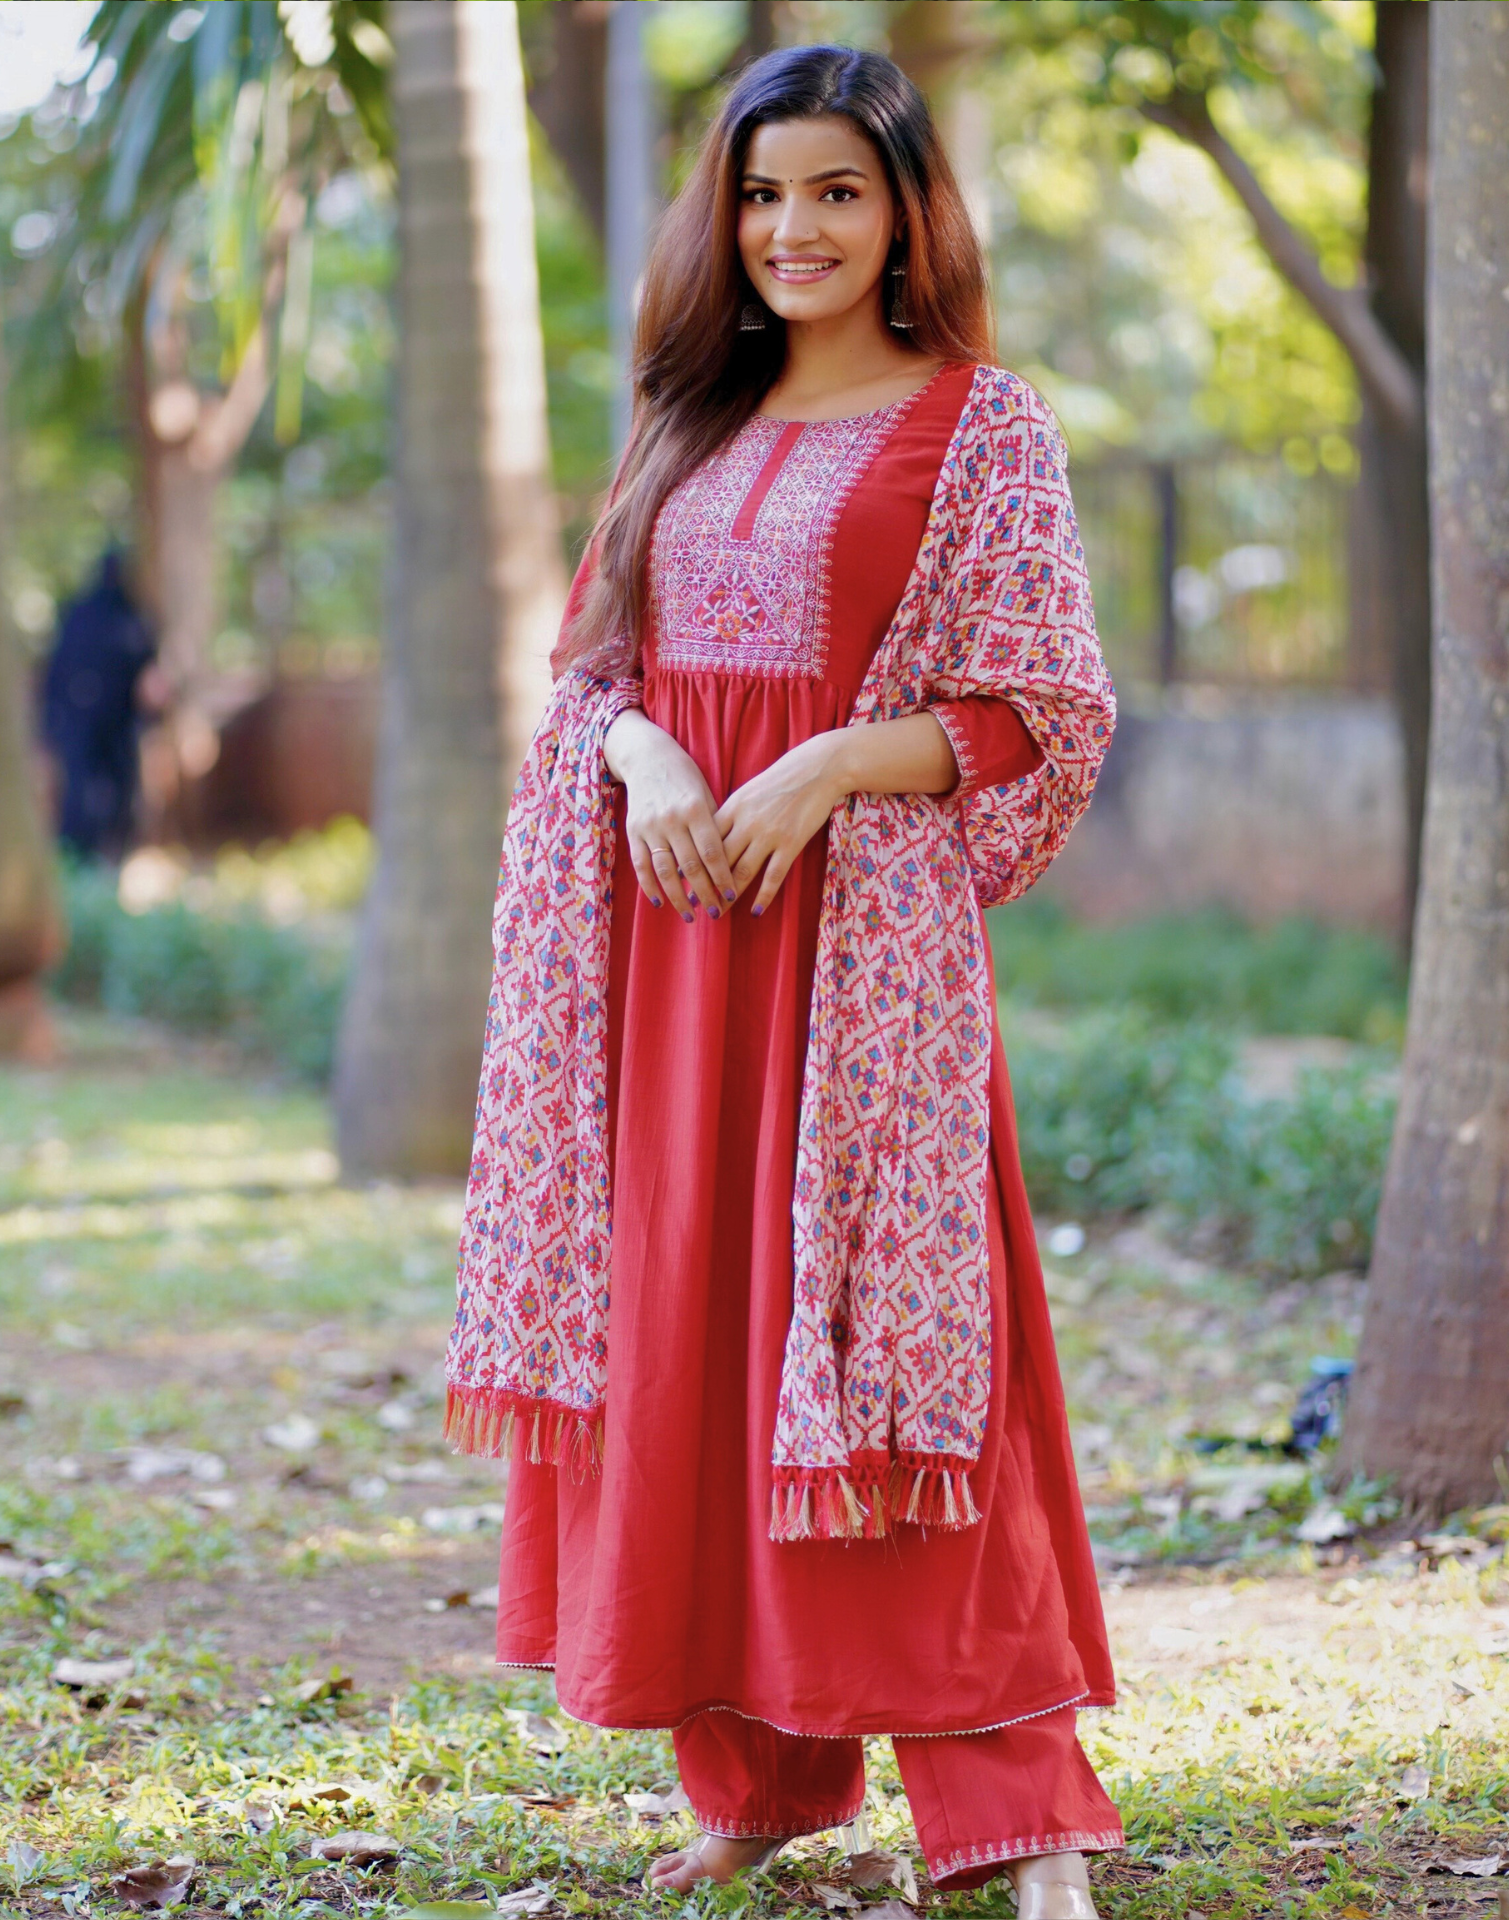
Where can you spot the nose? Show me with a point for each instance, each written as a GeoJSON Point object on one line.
{"type": "Point", "coordinates": [797, 222]}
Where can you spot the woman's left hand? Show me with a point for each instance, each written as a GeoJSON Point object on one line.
{"type": "Point", "coordinates": [766, 822]}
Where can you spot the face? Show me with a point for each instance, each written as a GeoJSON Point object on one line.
{"type": "Point", "coordinates": [817, 218]}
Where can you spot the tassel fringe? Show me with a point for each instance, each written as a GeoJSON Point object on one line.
{"type": "Point", "coordinates": [484, 1420]}
{"type": "Point", "coordinates": [874, 1496]}
{"type": "Point", "coordinates": [876, 1493]}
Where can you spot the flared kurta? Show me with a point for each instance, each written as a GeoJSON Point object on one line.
{"type": "Point", "coordinates": [653, 1587]}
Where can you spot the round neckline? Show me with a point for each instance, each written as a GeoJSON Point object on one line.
{"type": "Point", "coordinates": [845, 419]}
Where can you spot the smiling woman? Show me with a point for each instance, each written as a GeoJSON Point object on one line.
{"type": "Point", "coordinates": [747, 1254]}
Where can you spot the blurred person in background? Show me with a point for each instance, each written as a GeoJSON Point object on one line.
{"type": "Point", "coordinates": [828, 683]}
{"type": "Point", "coordinates": [101, 680]}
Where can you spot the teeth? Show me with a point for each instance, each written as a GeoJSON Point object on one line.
{"type": "Point", "coordinates": [820, 266]}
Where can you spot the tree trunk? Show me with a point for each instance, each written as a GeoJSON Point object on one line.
{"type": "Point", "coordinates": [1392, 613]}
{"type": "Point", "coordinates": [1430, 1404]}
{"type": "Point", "coordinates": [476, 593]}
{"type": "Point", "coordinates": [31, 918]}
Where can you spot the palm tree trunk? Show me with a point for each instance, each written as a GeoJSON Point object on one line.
{"type": "Point", "coordinates": [475, 596]}
{"type": "Point", "coordinates": [1430, 1403]}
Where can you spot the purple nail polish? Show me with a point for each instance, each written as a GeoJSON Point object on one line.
{"type": "Point", "coordinates": [688, 918]}
{"type": "Point", "coordinates": [714, 913]}
{"type": "Point", "coordinates": [693, 898]}
{"type": "Point", "coordinates": [755, 912]}
{"type": "Point", "coordinates": [654, 903]}
{"type": "Point", "coordinates": [729, 895]}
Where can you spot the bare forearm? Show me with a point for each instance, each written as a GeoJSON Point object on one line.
{"type": "Point", "coordinates": [891, 756]}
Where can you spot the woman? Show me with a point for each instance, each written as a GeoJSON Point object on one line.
{"type": "Point", "coordinates": [828, 683]}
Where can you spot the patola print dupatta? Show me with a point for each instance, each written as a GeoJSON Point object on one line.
{"type": "Point", "coordinates": [886, 1376]}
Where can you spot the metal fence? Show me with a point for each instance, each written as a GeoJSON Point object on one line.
{"type": "Point", "coordinates": [1228, 570]}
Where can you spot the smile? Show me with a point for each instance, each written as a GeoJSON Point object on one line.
{"type": "Point", "coordinates": [800, 269]}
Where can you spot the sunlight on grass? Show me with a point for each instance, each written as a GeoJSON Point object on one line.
{"type": "Point", "coordinates": [219, 1386]}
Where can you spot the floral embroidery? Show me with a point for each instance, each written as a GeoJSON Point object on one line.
{"type": "Point", "coordinates": [735, 591]}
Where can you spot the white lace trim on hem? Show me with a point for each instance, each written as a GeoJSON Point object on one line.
{"type": "Point", "coordinates": [1033, 1846]}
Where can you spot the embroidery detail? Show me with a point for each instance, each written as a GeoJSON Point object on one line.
{"type": "Point", "coordinates": [997, 1852]}
{"type": "Point", "coordinates": [735, 591]}
{"type": "Point", "coordinates": [964, 753]}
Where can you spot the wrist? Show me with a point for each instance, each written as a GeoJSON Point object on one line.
{"type": "Point", "coordinates": [840, 771]}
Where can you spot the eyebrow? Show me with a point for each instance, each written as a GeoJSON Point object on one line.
{"type": "Point", "coordinates": [812, 180]}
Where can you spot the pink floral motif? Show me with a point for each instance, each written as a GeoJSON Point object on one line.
{"type": "Point", "coordinates": [887, 1366]}
{"type": "Point", "coordinates": [741, 554]}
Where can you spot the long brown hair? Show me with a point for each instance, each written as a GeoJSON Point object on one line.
{"type": "Point", "coordinates": [697, 376]}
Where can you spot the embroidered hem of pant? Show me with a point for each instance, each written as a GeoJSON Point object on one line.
{"type": "Point", "coordinates": [752, 1830]}
{"type": "Point", "coordinates": [1081, 1702]}
{"type": "Point", "coordinates": [990, 1853]}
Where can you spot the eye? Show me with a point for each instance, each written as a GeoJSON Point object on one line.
{"type": "Point", "coordinates": [847, 193]}
{"type": "Point", "coordinates": [759, 196]}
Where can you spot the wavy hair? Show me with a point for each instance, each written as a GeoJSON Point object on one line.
{"type": "Point", "coordinates": [697, 376]}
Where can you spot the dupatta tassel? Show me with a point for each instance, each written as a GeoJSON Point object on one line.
{"type": "Point", "coordinates": [867, 1500]}
{"type": "Point", "coordinates": [484, 1420]}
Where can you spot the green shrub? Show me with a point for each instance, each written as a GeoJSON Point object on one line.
{"type": "Point", "coordinates": [274, 989]}
{"type": "Point", "coordinates": [1295, 977]}
{"type": "Point", "coordinates": [1115, 1114]}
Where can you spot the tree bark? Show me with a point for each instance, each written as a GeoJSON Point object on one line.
{"type": "Point", "coordinates": [32, 933]}
{"type": "Point", "coordinates": [1430, 1403]}
{"type": "Point", "coordinates": [1391, 502]}
{"type": "Point", "coordinates": [476, 594]}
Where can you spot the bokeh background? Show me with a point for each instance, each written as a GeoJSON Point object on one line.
{"type": "Point", "coordinates": [316, 314]}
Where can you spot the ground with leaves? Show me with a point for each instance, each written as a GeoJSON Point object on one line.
{"type": "Point", "coordinates": [225, 1500]}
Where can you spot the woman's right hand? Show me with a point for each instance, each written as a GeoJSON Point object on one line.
{"type": "Point", "coordinates": [677, 850]}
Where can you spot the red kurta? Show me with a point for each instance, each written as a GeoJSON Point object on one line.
{"type": "Point", "coordinates": [654, 1589]}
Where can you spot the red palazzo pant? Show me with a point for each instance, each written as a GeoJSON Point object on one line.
{"type": "Point", "coordinates": [977, 1799]}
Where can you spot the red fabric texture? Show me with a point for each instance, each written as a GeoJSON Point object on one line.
{"type": "Point", "coordinates": [978, 1800]}
{"type": "Point", "coordinates": [653, 1587]}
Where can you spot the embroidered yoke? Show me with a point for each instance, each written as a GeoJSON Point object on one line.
{"type": "Point", "coordinates": [887, 1368]}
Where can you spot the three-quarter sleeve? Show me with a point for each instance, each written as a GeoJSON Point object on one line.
{"type": "Point", "coordinates": [990, 739]}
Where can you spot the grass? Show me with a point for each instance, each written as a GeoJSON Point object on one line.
{"type": "Point", "coordinates": [180, 1270]}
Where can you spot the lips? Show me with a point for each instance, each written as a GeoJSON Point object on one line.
{"type": "Point", "coordinates": [799, 272]}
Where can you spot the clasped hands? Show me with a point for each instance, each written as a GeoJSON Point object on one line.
{"type": "Point", "coordinates": [692, 854]}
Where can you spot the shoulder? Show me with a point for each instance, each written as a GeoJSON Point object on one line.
{"type": "Point", "coordinates": [999, 398]}
{"type": "Point", "coordinates": [1009, 431]}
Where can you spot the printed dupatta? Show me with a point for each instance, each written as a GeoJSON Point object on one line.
{"type": "Point", "coordinates": [886, 1375]}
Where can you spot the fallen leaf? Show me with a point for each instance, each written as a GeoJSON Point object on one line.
{"type": "Point", "coordinates": [462, 1519]}
{"type": "Point", "coordinates": [260, 1817]}
{"type": "Point", "coordinates": [11, 1403]}
{"type": "Point", "coordinates": [1484, 1867]}
{"type": "Point", "coordinates": [542, 1734]}
{"type": "Point", "coordinates": [542, 1802]}
{"type": "Point", "coordinates": [92, 1673]}
{"type": "Point", "coordinates": [879, 1869]}
{"type": "Point", "coordinates": [162, 1884]}
{"type": "Point", "coordinates": [427, 1783]}
{"type": "Point", "coordinates": [658, 1806]}
{"type": "Point", "coordinates": [23, 1861]}
{"type": "Point", "coordinates": [536, 1899]}
{"type": "Point", "coordinates": [1324, 1523]}
{"type": "Point", "coordinates": [485, 1597]}
{"type": "Point", "coordinates": [1316, 1846]}
{"type": "Point", "coordinates": [295, 1433]}
{"type": "Point", "coordinates": [308, 1691]}
{"type": "Point", "coordinates": [357, 1849]}
{"type": "Point", "coordinates": [836, 1899]}
{"type": "Point", "coordinates": [892, 1910]}
{"type": "Point", "coordinates": [1414, 1784]}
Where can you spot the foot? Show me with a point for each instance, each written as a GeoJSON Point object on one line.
{"type": "Point", "coordinates": [1053, 1886]}
{"type": "Point", "coordinates": [712, 1857]}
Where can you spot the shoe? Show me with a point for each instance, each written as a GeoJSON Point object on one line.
{"type": "Point", "coordinates": [758, 1865]}
{"type": "Point", "coordinates": [1054, 1900]}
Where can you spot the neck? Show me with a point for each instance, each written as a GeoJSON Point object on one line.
{"type": "Point", "coordinates": [833, 355]}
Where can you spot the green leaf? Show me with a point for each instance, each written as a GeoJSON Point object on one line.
{"type": "Point", "coordinates": [446, 1910]}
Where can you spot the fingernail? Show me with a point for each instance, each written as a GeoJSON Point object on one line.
{"type": "Point", "coordinates": [654, 903]}
{"type": "Point", "coordinates": [693, 898]}
{"type": "Point", "coordinates": [755, 912]}
{"type": "Point", "coordinates": [729, 895]}
{"type": "Point", "coordinates": [714, 913]}
{"type": "Point", "coordinates": [688, 918]}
